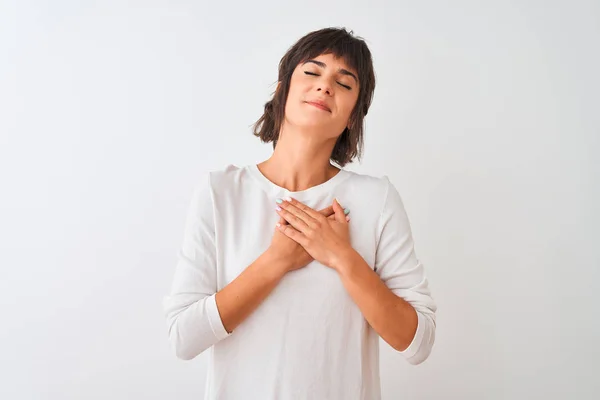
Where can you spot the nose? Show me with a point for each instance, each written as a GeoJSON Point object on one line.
{"type": "Point", "coordinates": [324, 86]}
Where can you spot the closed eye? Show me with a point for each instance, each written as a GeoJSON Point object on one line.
{"type": "Point", "coordinates": [339, 83]}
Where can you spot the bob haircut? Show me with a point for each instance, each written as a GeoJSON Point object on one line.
{"type": "Point", "coordinates": [342, 44]}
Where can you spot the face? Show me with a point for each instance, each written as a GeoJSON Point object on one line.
{"type": "Point", "coordinates": [323, 92]}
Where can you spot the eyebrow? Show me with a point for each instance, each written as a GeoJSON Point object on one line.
{"type": "Point", "coordinates": [341, 70]}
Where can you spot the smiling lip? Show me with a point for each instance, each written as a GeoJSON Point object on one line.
{"type": "Point", "coordinates": [320, 105]}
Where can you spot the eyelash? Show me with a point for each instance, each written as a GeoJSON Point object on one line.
{"type": "Point", "coordinates": [341, 84]}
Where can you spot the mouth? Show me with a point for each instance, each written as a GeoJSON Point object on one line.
{"type": "Point", "coordinates": [319, 105]}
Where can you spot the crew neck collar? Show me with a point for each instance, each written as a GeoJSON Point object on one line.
{"type": "Point", "coordinates": [313, 191]}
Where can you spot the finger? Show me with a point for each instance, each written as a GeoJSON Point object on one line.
{"type": "Point", "coordinates": [293, 207]}
{"type": "Point", "coordinates": [306, 209]}
{"type": "Point", "coordinates": [327, 211]}
{"type": "Point", "coordinates": [340, 216]}
{"type": "Point", "coordinates": [346, 210]}
{"type": "Point", "coordinates": [293, 220]}
{"type": "Point", "coordinates": [330, 213]}
{"type": "Point", "coordinates": [292, 233]}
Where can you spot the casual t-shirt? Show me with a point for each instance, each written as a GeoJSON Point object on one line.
{"type": "Point", "coordinates": [307, 339]}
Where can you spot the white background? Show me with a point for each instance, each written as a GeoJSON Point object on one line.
{"type": "Point", "coordinates": [485, 117]}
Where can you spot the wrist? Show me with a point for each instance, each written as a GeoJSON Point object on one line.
{"type": "Point", "coordinates": [276, 265]}
{"type": "Point", "coordinates": [344, 259]}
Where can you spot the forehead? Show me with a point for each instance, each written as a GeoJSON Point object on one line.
{"type": "Point", "coordinates": [332, 61]}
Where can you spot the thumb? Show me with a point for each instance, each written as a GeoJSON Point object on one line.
{"type": "Point", "coordinates": [339, 211]}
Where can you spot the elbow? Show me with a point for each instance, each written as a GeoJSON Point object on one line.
{"type": "Point", "coordinates": [420, 356]}
{"type": "Point", "coordinates": [185, 349]}
{"type": "Point", "coordinates": [186, 345]}
{"type": "Point", "coordinates": [184, 354]}
{"type": "Point", "coordinates": [422, 342]}
{"type": "Point", "coordinates": [191, 329]}
{"type": "Point", "coordinates": [416, 353]}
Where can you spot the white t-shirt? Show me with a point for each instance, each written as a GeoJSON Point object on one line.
{"type": "Point", "coordinates": [308, 339]}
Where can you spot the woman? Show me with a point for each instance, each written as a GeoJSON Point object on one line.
{"type": "Point", "coordinates": [290, 295]}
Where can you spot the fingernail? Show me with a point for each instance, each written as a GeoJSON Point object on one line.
{"type": "Point", "coordinates": [348, 218]}
{"type": "Point", "coordinates": [287, 198]}
{"type": "Point", "coordinates": [336, 199]}
{"type": "Point", "coordinates": [278, 208]}
{"type": "Point", "coordinates": [279, 201]}
{"type": "Point", "coordinates": [346, 211]}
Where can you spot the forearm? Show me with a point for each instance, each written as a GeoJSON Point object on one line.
{"type": "Point", "coordinates": [393, 318]}
{"type": "Point", "coordinates": [248, 290]}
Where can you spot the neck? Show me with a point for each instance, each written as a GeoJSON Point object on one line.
{"type": "Point", "coordinates": [300, 160]}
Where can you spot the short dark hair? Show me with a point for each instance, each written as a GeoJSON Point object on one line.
{"type": "Point", "coordinates": [354, 51]}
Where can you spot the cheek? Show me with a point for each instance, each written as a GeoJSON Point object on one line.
{"type": "Point", "coordinates": [347, 107]}
{"type": "Point", "coordinates": [292, 107]}
{"type": "Point", "coordinates": [295, 98]}
{"type": "Point", "coordinates": [297, 87]}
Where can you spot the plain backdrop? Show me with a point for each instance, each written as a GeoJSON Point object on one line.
{"type": "Point", "coordinates": [485, 117]}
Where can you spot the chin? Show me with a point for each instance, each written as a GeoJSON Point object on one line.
{"type": "Point", "coordinates": [312, 125]}
{"type": "Point", "coordinates": [310, 119]}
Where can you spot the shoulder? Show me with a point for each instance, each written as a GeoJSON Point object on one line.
{"type": "Point", "coordinates": [377, 191]}
{"type": "Point", "coordinates": [218, 178]}
{"type": "Point", "coordinates": [227, 172]}
{"type": "Point", "coordinates": [369, 185]}
{"type": "Point", "coordinates": [207, 186]}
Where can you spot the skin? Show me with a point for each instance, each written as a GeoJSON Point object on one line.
{"type": "Point", "coordinates": [301, 160]}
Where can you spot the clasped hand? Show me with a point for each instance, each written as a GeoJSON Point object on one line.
{"type": "Point", "coordinates": [325, 239]}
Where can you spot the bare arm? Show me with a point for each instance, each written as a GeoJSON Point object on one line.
{"type": "Point", "coordinates": [198, 314]}
{"type": "Point", "coordinates": [392, 317]}
{"type": "Point", "coordinates": [394, 295]}
{"type": "Point", "coordinates": [248, 290]}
